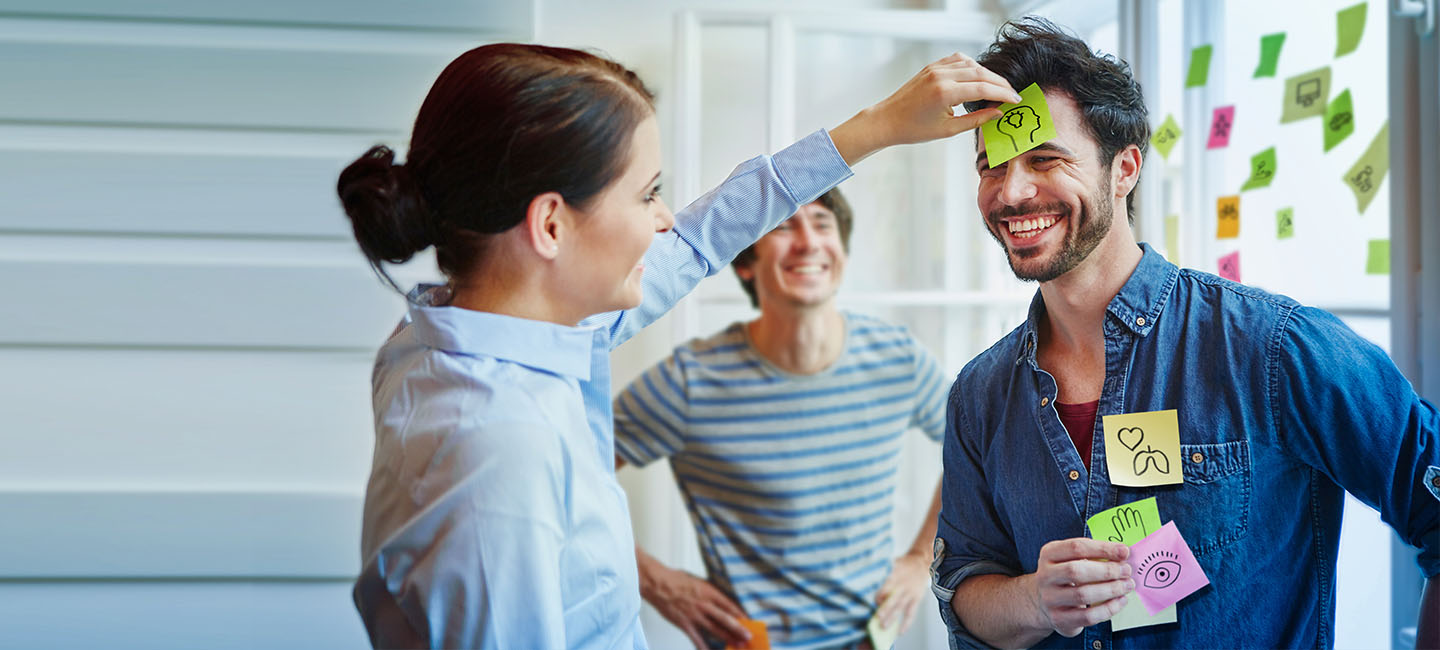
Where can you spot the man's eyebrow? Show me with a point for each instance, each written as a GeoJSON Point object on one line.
{"type": "Point", "coordinates": [1046, 146]}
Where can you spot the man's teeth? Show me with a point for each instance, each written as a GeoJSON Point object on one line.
{"type": "Point", "coordinates": [807, 268]}
{"type": "Point", "coordinates": [1024, 228]}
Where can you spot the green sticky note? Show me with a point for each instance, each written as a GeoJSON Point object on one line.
{"type": "Point", "coordinates": [1339, 120]}
{"type": "Point", "coordinates": [1285, 223]}
{"type": "Point", "coordinates": [1199, 67]}
{"type": "Point", "coordinates": [1305, 95]}
{"type": "Point", "coordinates": [1127, 523]}
{"type": "Point", "coordinates": [1262, 170]}
{"type": "Point", "coordinates": [1349, 27]}
{"type": "Point", "coordinates": [1166, 136]}
{"type": "Point", "coordinates": [1366, 174]}
{"type": "Point", "coordinates": [1020, 127]}
{"type": "Point", "coordinates": [881, 637]}
{"type": "Point", "coordinates": [1378, 261]}
{"type": "Point", "coordinates": [1172, 239]}
{"type": "Point", "coordinates": [1270, 45]}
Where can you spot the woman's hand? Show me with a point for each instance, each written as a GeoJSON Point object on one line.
{"type": "Point", "coordinates": [921, 110]}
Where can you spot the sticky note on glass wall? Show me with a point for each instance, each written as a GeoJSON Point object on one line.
{"type": "Point", "coordinates": [1339, 120]}
{"type": "Point", "coordinates": [1222, 122]}
{"type": "Point", "coordinates": [1143, 448]}
{"type": "Point", "coordinates": [1199, 66]}
{"type": "Point", "coordinates": [1227, 217]}
{"type": "Point", "coordinates": [1164, 569]}
{"type": "Point", "coordinates": [1377, 262]}
{"type": "Point", "coordinates": [1166, 136]}
{"type": "Point", "coordinates": [1349, 27]}
{"type": "Point", "coordinates": [1270, 45]}
{"type": "Point", "coordinates": [1128, 524]}
{"type": "Point", "coordinates": [1172, 238]}
{"type": "Point", "coordinates": [1229, 267]}
{"type": "Point", "coordinates": [1020, 127]}
{"type": "Point", "coordinates": [1365, 175]}
{"type": "Point", "coordinates": [1285, 223]}
{"type": "Point", "coordinates": [1306, 95]}
{"type": "Point", "coordinates": [1262, 170]}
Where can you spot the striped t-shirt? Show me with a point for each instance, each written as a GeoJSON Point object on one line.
{"type": "Point", "coordinates": [789, 479]}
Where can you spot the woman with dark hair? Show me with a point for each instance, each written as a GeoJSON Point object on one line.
{"type": "Point", "coordinates": [492, 515]}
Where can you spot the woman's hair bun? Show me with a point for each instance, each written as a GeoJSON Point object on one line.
{"type": "Point", "coordinates": [385, 207]}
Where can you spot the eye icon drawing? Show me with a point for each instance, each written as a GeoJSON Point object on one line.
{"type": "Point", "coordinates": [1159, 570]}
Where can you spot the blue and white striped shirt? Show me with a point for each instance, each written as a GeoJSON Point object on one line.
{"type": "Point", "coordinates": [790, 479]}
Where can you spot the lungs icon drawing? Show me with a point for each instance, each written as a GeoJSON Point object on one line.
{"type": "Point", "coordinates": [1150, 458]}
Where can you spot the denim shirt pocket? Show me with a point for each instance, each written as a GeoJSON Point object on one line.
{"type": "Point", "coordinates": [1212, 507]}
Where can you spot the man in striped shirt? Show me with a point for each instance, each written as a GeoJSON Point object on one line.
{"type": "Point", "coordinates": [784, 434]}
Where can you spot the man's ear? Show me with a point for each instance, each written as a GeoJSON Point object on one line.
{"type": "Point", "coordinates": [1126, 170]}
{"type": "Point", "coordinates": [546, 224]}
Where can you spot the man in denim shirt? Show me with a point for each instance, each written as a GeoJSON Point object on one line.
{"type": "Point", "coordinates": [1281, 408]}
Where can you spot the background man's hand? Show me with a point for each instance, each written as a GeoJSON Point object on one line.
{"type": "Point", "coordinates": [693, 605]}
{"type": "Point", "coordinates": [1074, 589]}
{"type": "Point", "coordinates": [907, 586]}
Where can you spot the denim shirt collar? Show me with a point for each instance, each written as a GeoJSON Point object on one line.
{"type": "Point", "coordinates": [548, 347]}
{"type": "Point", "coordinates": [1136, 307]}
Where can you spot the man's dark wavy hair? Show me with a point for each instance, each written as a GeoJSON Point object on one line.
{"type": "Point", "coordinates": [1035, 50]}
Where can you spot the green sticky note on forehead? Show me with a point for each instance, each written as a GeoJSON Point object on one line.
{"type": "Point", "coordinates": [1020, 127]}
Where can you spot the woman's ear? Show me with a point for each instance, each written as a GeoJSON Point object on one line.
{"type": "Point", "coordinates": [744, 272]}
{"type": "Point", "coordinates": [545, 224]}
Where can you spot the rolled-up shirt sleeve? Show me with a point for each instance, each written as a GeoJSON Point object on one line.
{"type": "Point", "coordinates": [970, 539]}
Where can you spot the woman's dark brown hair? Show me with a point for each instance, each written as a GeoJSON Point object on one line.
{"type": "Point", "coordinates": [502, 124]}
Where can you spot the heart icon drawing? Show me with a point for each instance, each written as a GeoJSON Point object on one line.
{"type": "Point", "coordinates": [1128, 434]}
{"type": "Point", "coordinates": [1144, 460]}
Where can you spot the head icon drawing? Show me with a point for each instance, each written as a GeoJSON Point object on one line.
{"type": "Point", "coordinates": [1021, 120]}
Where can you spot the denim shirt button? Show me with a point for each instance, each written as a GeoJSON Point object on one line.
{"type": "Point", "coordinates": [1197, 457]}
{"type": "Point", "coordinates": [1139, 320]}
{"type": "Point", "coordinates": [1074, 475]}
{"type": "Point", "coordinates": [1044, 402]}
{"type": "Point", "coordinates": [1096, 643]}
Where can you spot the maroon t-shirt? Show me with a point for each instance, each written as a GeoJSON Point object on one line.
{"type": "Point", "coordinates": [1079, 421]}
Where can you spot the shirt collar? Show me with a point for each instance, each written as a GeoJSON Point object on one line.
{"type": "Point", "coordinates": [543, 346]}
{"type": "Point", "coordinates": [1136, 307]}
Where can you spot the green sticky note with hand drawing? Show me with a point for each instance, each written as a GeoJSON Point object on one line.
{"type": "Point", "coordinates": [1377, 262]}
{"type": "Point", "coordinates": [1270, 45]}
{"type": "Point", "coordinates": [1262, 170]}
{"type": "Point", "coordinates": [1199, 66]}
{"type": "Point", "coordinates": [1020, 127]}
{"type": "Point", "coordinates": [1127, 524]}
{"type": "Point", "coordinates": [1366, 174]}
{"type": "Point", "coordinates": [1339, 120]}
{"type": "Point", "coordinates": [1349, 27]}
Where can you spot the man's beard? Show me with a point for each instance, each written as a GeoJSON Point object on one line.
{"type": "Point", "coordinates": [1082, 236]}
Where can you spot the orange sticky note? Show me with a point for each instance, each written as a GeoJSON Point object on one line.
{"type": "Point", "coordinates": [759, 638]}
{"type": "Point", "coordinates": [1227, 217]}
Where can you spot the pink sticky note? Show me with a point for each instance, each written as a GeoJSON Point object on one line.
{"type": "Point", "coordinates": [1165, 569]}
{"type": "Point", "coordinates": [1220, 126]}
{"type": "Point", "coordinates": [1230, 267]}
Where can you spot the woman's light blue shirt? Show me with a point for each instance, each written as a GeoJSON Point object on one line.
{"type": "Point", "coordinates": [492, 516]}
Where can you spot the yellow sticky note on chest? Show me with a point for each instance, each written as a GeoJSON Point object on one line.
{"type": "Point", "coordinates": [1143, 448]}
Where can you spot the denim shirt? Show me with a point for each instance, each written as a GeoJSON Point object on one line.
{"type": "Point", "coordinates": [1282, 408]}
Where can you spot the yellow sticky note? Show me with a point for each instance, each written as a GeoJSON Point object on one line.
{"type": "Point", "coordinates": [1365, 175]}
{"type": "Point", "coordinates": [1143, 448]}
{"type": "Point", "coordinates": [1227, 217]}
{"type": "Point", "coordinates": [759, 637]}
{"type": "Point", "coordinates": [881, 637]}
{"type": "Point", "coordinates": [1020, 127]}
{"type": "Point", "coordinates": [1172, 238]}
{"type": "Point", "coordinates": [1133, 615]}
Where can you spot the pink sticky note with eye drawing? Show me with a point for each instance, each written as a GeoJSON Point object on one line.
{"type": "Point", "coordinates": [1230, 267]}
{"type": "Point", "coordinates": [1221, 124]}
{"type": "Point", "coordinates": [1165, 569]}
